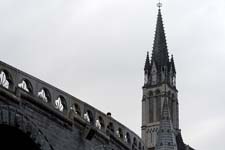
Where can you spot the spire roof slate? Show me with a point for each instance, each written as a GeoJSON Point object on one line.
{"type": "Point", "coordinates": [160, 51]}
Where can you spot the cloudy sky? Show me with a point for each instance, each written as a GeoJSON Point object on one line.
{"type": "Point", "coordinates": [95, 50]}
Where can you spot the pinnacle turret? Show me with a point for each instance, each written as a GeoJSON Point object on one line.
{"type": "Point", "coordinates": [172, 64]}
{"type": "Point", "coordinates": [147, 62]}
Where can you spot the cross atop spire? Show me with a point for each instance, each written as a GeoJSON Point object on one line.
{"type": "Point", "coordinates": [159, 4]}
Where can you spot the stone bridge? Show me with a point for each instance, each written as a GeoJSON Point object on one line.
{"type": "Point", "coordinates": [35, 115]}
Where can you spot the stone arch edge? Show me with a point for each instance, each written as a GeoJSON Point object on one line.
{"type": "Point", "coordinates": [14, 117]}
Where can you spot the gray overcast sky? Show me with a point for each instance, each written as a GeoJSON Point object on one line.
{"type": "Point", "coordinates": [95, 50]}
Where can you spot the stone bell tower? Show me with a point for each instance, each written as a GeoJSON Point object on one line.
{"type": "Point", "coordinates": [159, 88]}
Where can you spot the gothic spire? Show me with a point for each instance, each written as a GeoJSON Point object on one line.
{"type": "Point", "coordinates": [166, 138]}
{"type": "Point", "coordinates": [147, 62]}
{"type": "Point", "coordinates": [160, 52]}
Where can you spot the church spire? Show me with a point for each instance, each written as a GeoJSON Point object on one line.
{"type": "Point", "coordinates": [160, 106]}
{"type": "Point", "coordinates": [160, 51]}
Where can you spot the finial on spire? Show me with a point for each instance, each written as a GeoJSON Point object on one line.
{"type": "Point", "coordinates": [159, 4]}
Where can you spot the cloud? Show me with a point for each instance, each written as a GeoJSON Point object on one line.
{"type": "Point", "coordinates": [95, 50]}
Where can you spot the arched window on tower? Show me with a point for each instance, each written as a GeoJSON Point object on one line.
{"type": "Point", "coordinates": [151, 111]}
{"type": "Point", "coordinates": [158, 105]}
{"type": "Point", "coordinates": [150, 94]}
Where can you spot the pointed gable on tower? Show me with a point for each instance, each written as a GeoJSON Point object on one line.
{"type": "Point", "coordinates": [166, 137]}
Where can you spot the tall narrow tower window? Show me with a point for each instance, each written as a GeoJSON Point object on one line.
{"type": "Point", "coordinates": [158, 108]}
{"type": "Point", "coordinates": [151, 112]}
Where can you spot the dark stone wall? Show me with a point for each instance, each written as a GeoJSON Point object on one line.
{"type": "Point", "coordinates": [48, 130]}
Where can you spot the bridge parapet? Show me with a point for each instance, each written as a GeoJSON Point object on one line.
{"type": "Point", "coordinates": [67, 106]}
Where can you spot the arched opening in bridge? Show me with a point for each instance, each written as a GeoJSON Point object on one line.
{"type": "Point", "coordinates": [12, 138]}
